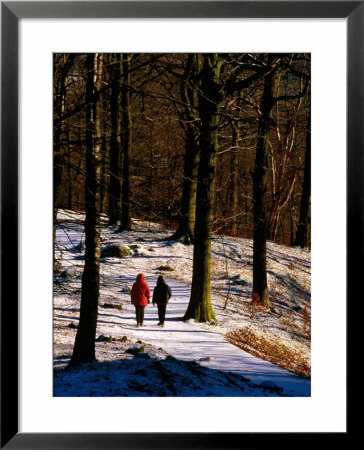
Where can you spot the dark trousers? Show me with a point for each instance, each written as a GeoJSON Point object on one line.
{"type": "Point", "coordinates": [139, 312]}
{"type": "Point", "coordinates": [162, 313]}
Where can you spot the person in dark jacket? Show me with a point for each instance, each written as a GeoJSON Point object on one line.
{"type": "Point", "coordinates": [140, 295]}
{"type": "Point", "coordinates": [161, 295]}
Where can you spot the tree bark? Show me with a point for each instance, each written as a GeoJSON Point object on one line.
{"type": "Point", "coordinates": [185, 231]}
{"type": "Point", "coordinates": [60, 77]}
{"type": "Point", "coordinates": [210, 98]}
{"type": "Point", "coordinates": [234, 180]}
{"type": "Point", "coordinates": [70, 175]}
{"type": "Point", "coordinates": [188, 90]}
{"type": "Point", "coordinates": [84, 348]}
{"type": "Point", "coordinates": [116, 156]}
{"type": "Point", "coordinates": [103, 172]}
{"type": "Point", "coordinates": [260, 283]}
{"type": "Point", "coordinates": [127, 144]}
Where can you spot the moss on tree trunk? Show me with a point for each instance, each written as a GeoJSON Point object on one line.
{"type": "Point", "coordinates": [210, 98]}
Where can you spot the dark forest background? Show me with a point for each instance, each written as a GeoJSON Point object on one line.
{"type": "Point", "coordinates": [159, 126]}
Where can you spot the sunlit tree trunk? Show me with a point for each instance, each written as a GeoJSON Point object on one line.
{"type": "Point", "coordinates": [210, 98]}
{"type": "Point", "coordinates": [84, 348]}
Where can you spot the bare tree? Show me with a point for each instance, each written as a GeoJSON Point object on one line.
{"type": "Point", "coordinates": [190, 121]}
{"type": "Point", "coordinates": [210, 98]}
{"type": "Point", "coordinates": [116, 154]}
{"type": "Point", "coordinates": [260, 283]}
{"type": "Point", "coordinates": [216, 85]}
{"type": "Point", "coordinates": [126, 143]}
{"type": "Point", "coordinates": [302, 235]}
{"type": "Point", "coordinates": [62, 65]}
{"type": "Point", "coordinates": [84, 348]}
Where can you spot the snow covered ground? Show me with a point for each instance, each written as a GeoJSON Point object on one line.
{"type": "Point", "coordinates": [184, 358]}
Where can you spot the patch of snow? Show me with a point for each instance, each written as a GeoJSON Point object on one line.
{"type": "Point", "coordinates": [182, 349]}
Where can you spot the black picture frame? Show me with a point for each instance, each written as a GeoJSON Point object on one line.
{"type": "Point", "coordinates": [11, 12]}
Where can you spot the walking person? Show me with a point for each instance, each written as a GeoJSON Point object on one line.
{"type": "Point", "coordinates": [161, 295]}
{"type": "Point", "coordinates": [140, 297]}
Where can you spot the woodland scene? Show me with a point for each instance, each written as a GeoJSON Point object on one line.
{"type": "Point", "coordinates": [196, 167]}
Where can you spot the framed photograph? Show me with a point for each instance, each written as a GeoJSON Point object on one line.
{"type": "Point", "coordinates": [31, 33]}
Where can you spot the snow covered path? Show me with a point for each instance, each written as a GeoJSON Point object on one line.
{"type": "Point", "coordinates": [190, 341]}
{"type": "Point", "coordinates": [185, 341]}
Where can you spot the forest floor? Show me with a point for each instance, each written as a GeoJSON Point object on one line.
{"type": "Point", "coordinates": [248, 351]}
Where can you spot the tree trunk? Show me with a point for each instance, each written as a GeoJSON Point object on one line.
{"type": "Point", "coordinates": [84, 348]}
{"type": "Point", "coordinates": [186, 226]}
{"type": "Point", "coordinates": [70, 176]}
{"type": "Point", "coordinates": [60, 77]}
{"type": "Point", "coordinates": [103, 171]}
{"type": "Point", "coordinates": [116, 157]}
{"type": "Point", "coordinates": [127, 142]}
{"type": "Point", "coordinates": [210, 98]}
{"type": "Point", "coordinates": [303, 230]}
{"type": "Point", "coordinates": [260, 284]}
{"type": "Point", "coordinates": [234, 180]}
{"type": "Point", "coordinates": [188, 91]}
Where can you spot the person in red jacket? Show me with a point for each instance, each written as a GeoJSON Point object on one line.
{"type": "Point", "coordinates": [140, 295]}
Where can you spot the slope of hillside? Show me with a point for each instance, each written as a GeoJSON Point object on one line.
{"type": "Point", "coordinates": [281, 336]}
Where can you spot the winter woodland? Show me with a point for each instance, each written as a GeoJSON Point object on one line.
{"type": "Point", "coordinates": [196, 167]}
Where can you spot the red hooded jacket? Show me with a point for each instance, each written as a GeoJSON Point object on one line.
{"type": "Point", "coordinates": [140, 293]}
